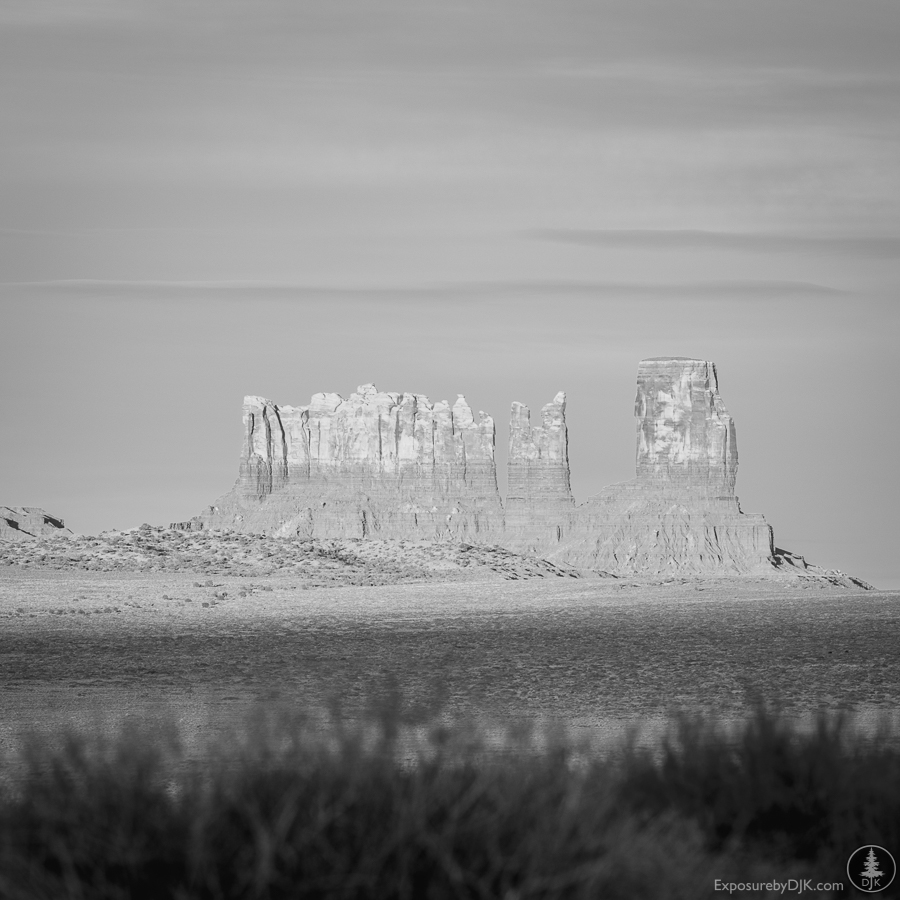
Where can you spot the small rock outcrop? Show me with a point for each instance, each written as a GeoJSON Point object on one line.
{"type": "Point", "coordinates": [26, 523]}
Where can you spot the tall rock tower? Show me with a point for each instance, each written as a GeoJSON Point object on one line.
{"type": "Point", "coordinates": [686, 441]}
{"type": "Point", "coordinates": [680, 514]}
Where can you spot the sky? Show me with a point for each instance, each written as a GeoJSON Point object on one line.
{"type": "Point", "coordinates": [204, 199]}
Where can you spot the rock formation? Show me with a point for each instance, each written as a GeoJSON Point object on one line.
{"type": "Point", "coordinates": [26, 523]}
{"type": "Point", "coordinates": [376, 464]}
{"type": "Point", "coordinates": [685, 437]}
{"type": "Point", "coordinates": [680, 513]}
{"type": "Point", "coordinates": [539, 497]}
{"type": "Point", "coordinates": [392, 465]}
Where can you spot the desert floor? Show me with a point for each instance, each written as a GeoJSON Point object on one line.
{"type": "Point", "coordinates": [594, 655]}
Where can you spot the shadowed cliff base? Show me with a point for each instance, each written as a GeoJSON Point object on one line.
{"type": "Point", "coordinates": [399, 467]}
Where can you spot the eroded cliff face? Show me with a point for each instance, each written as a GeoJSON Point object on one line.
{"type": "Point", "coordinates": [374, 464]}
{"type": "Point", "coordinates": [539, 496]}
{"type": "Point", "coordinates": [394, 465]}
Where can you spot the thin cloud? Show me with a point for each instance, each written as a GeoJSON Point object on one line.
{"type": "Point", "coordinates": [867, 247]}
{"type": "Point", "coordinates": [476, 291]}
{"type": "Point", "coordinates": [61, 13]}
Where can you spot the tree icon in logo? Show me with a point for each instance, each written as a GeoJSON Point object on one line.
{"type": "Point", "coordinates": [871, 874]}
{"type": "Point", "coordinates": [871, 878]}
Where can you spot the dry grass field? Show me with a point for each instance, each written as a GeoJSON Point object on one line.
{"type": "Point", "coordinates": [90, 633]}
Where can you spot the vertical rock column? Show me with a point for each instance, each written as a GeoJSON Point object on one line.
{"type": "Point", "coordinates": [265, 453]}
{"type": "Point", "coordinates": [686, 440]}
{"type": "Point", "coordinates": [463, 500]}
{"type": "Point", "coordinates": [539, 495]}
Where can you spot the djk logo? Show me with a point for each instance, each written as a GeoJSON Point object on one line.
{"type": "Point", "coordinates": [871, 868]}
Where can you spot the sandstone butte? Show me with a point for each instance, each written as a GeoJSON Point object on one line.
{"type": "Point", "coordinates": [397, 466]}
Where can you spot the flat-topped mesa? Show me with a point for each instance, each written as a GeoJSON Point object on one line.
{"type": "Point", "coordinates": [539, 494]}
{"type": "Point", "coordinates": [686, 440]}
{"type": "Point", "coordinates": [376, 463]}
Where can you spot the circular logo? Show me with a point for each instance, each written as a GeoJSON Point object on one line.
{"type": "Point", "coordinates": [871, 868]}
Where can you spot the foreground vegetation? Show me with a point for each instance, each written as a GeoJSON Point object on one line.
{"type": "Point", "coordinates": [290, 808]}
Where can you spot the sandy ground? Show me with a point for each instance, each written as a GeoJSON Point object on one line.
{"type": "Point", "coordinates": [495, 638]}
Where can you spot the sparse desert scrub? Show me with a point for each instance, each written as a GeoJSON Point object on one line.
{"type": "Point", "coordinates": [294, 808]}
{"type": "Point", "coordinates": [320, 563]}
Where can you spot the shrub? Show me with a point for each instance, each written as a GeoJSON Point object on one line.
{"type": "Point", "coordinates": [292, 807]}
{"type": "Point", "coordinates": [798, 794]}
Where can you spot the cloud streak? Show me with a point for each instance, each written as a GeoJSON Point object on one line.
{"type": "Point", "coordinates": [475, 291]}
{"type": "Point", "coordinates": [867, 247]}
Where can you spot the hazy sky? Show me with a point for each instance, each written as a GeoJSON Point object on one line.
{"type": "Point", "coordinates": [205, 198]}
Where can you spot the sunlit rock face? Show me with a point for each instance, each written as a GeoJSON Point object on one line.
{"type": "Point", "coordinates": [375, 464]}
{"type": "Point", "coordinates": [685, 437]}
{"type": "Point", "coordinates": [680, 514]}
{"type": "Point", "coordinates": [539, 497]}
{"type": "Point", "coordinates": [27, 523]}
{"type": "Point", "coordinates": [393, 465]}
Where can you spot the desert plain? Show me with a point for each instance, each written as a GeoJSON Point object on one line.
{"type": "Point", "coordinates": [201, 629]}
